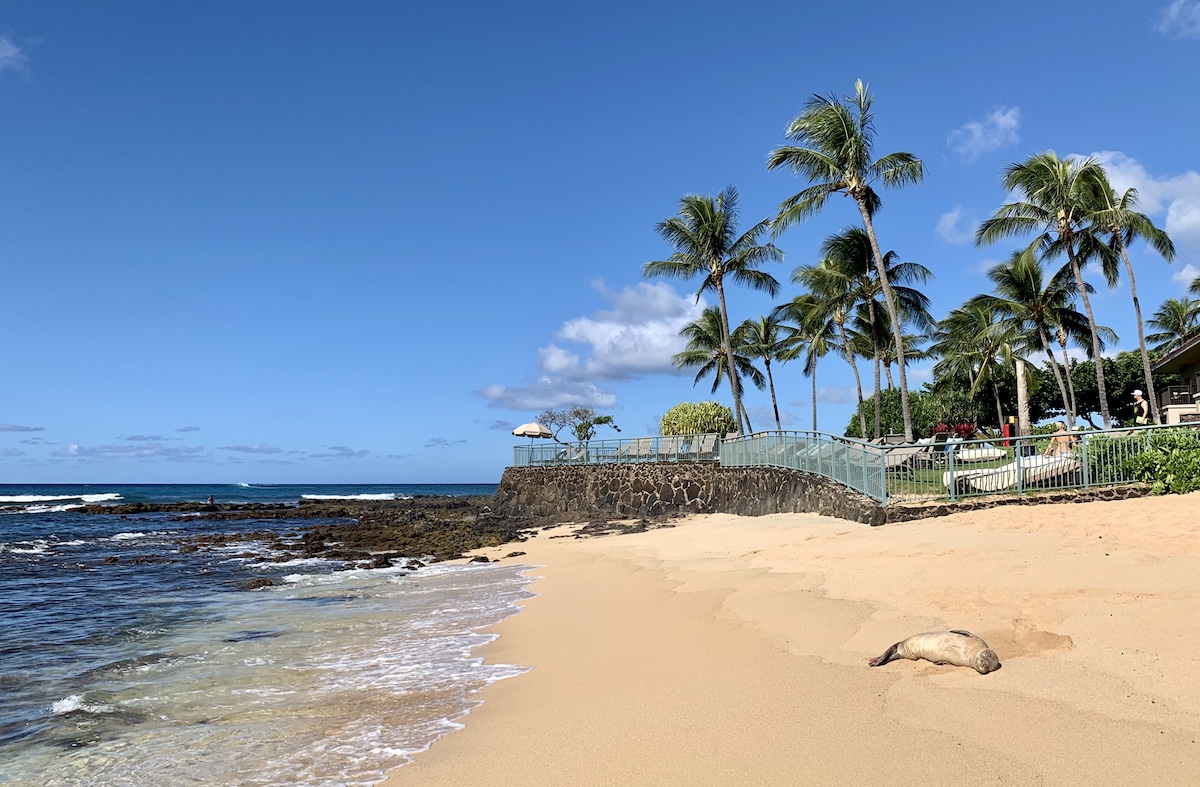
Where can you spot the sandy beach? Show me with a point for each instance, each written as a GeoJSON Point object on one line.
{"type": "Point", "coordinates": [733, 650]}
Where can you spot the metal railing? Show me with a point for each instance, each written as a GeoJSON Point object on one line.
{"type": "Point", "coordinates": [853, 463]}
{"type": "Point", "coordinates": [672, 448]}
{"type": "Point", "coordinates": [924, 471]}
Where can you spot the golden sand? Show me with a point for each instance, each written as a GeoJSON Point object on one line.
{"type": "Point", "coordinates": [733, 650]}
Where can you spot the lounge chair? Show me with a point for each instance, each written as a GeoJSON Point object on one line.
{"type": "Point", "coordinates": [704, 447]}
{"type": "Point", "coordinates": [903, 458]}
{"type": "Point", "coordinates": [669, 448]}
{"type": "Point", "coordinates": [1033, 469]}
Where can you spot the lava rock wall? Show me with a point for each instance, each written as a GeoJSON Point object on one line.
{"type": "Point", "coordinates": [657, 488]}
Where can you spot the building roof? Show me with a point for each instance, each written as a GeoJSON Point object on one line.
{"type": "Point", "coordinates": [1187, 354]}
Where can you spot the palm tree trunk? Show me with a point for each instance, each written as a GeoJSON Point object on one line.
{"type": "Point", "coordinates": [878, 363]}
{"type": "Point", "coordinates": [996, 399]}
{"type": "Point", "coordinates": [878, 417]}
{"type": "Point", "coordinates": [1137, 311]}
{"type": "Point", "coordinates": [771, 382]}
{"type": "Point", "coordinates": [887, 370]}
{"type": "Point", "coordinates": [1044, 337]}
{"type": "Point", "coordinates": [1101, 388]}
{"type": "Point", "coordinates": [739, 411]}
{"type": "Point", "coordinates": [889, 298]}
{"type": "Point", "coordinates": [862, 416]}
{"type": "Point", "coordinates": [814, 395]}
{"type": "Point", "coordinates": [1023, 426]}
{"type": "Point", "coordinates": [1062, 340]}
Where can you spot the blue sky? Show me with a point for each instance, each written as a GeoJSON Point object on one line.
{"type": "Point", "coordinates": [359, 242]}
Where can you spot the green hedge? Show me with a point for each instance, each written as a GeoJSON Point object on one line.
{"type": "Point", "coordinates": [1171, 463]}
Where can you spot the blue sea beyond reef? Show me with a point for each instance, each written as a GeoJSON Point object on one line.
{"type": "Point", "coordinates": [124, 661]}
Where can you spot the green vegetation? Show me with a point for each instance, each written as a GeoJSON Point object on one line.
{"type": "Point", "coordinates": [689, 418]}
{"type": "Point", "coordinates": [581, 420]}
{"type": "Point", "coordinates": [1171, 462]}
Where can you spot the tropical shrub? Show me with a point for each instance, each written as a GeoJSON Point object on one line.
{"type": "Point", "coordinates": [1171, 463]}
{"type": "Point", "coordinates": [697, 418]}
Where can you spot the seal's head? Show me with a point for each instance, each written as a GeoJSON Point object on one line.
{"type": "Point", "coordinates": [987, 661]}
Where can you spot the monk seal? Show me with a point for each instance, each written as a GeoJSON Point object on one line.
{"type": "Point", "coordinates": [960, 648]}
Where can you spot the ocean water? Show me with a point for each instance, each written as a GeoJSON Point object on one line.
{"type": "Point", "coordinates": [126, 662]}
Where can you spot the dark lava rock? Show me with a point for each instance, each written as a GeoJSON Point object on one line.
{"type": "Point", "coordinates": [255, 584]}
{"type": "Point", "coordinates": [479, 559]}
{"type": "Point", "coordinates": [514, 554]}
{"type": "Point", "coordinates": [108, 561]}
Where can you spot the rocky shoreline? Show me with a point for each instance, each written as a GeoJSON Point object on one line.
{"type": "Point", "coordinates": [366, 534]}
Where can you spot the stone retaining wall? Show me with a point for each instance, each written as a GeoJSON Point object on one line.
{"type": "Point", "coordinates": [648, 489]}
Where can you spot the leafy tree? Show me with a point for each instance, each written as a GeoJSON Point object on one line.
{"type": "Point", "coordinates": [1060, 198]}
{"type": "Point", "coordinates": [581, 420]}
{"type": "Point", "coordinates": [704, 349]}
{"type": "Point", "coordinates": [688, 418]}
{"type": "Point", "coordinates": [1125, 374]}
{"type": "Point", "coordinates": [1116, 218]}
{"type": "Point", "coordinates": [704, 237]}
{"type": "Point", "coordinates": [835, 139]}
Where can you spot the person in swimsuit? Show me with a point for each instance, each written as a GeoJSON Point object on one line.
{"type": "Point", "coordinates": [1061, 442]}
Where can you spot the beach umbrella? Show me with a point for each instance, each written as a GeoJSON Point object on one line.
{"type": "Point", "coordinates": [532, 430]}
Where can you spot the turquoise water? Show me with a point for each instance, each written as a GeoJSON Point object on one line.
{"type": "Point", "coordinates": [126, 662]}
{"type": "Point", "coordinates": [57, 495]}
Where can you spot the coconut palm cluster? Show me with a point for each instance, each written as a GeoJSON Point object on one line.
{"type": "Point", "coordinates": [860, 303]}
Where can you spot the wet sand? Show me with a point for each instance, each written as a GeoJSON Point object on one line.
{"type": "Point", "coordinates": [733, 650]}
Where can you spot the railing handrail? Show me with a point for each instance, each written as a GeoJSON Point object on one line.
{"type": "Point", "coordinates": [994, 464]}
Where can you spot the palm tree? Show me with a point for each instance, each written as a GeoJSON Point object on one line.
{"type": "Point", "coordinates": [833, 294]}
{"type": "Point", "coordinates": [1176, 318]}
{"type": "Point", "coordinates": [834, 152]}
{"type": "Point", "coordinates": [1116, 218]}
{"type": "Point", "coordinates": [1060, 199]}
{"type": "Point", "coordinates": [850, 277]}
{"type": "Point", "coordinates": [767, 338]}
{"type": "Point", "coordinates": [1030, 303]}
{"type": "Point", "coordinates": [973, 341]}
{"type": "Point", "coordinates": [706, 349]}
{"type": "Point", "coordinates": [704, 237]}
{"type": "Point", "coordinates": [810, 334]}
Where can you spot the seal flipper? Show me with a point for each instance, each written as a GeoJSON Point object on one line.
{"type": "Point", "coordinates": [959, 631]}
{"type": "Point", "coordinates": [888, 655]}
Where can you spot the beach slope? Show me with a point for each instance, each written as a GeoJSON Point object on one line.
{"type": "Point", "coordinates": [733, 650]}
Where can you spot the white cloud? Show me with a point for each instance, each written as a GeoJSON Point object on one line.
{"type": "Point", "coordinates": [1185, 275]}
{"type": "Point", "coordinates": [1180, 19]}
{"type": "Point", "coordinates": [635, 337]}
{"type": "Point", "coordinates": [548, 392]}
{"type": "Point", "coordinates": [947, 227]}
{"type": "Point", "coordinates": [837, 395]}
{"type": "Point", "coordinates": [341, 452]}
{"type": "Point", "coordinates": [11, 55]}
{"type": "Point", "coordinates": [144, 451]}
{"type": "Point", "coordinates": [1176, 195]}
{"type": "Point", "coordinates": [764, 417]}
{"type": "Point", "coordinates": [189, 429]}
{"type": "Point", "coordinates": [19, 428]}
{"type": "Point", "coordinates": [997, 130]}
{"type": "Point", "coordinates": [253, 448]}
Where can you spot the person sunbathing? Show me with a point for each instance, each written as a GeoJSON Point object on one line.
{"type": "Point", "coordinates": [1061, 442]}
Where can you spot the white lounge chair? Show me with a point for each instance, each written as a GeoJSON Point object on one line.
{"type": "Point", "coordinates": [1032, 470]}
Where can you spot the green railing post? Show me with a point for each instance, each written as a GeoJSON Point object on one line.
{"type": "Point", "coordinates": [1083, 458]}
{"type": "Point", "coordinates": [950, 471]}
{"type": "Point", "coordinates": [1020, 474]}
